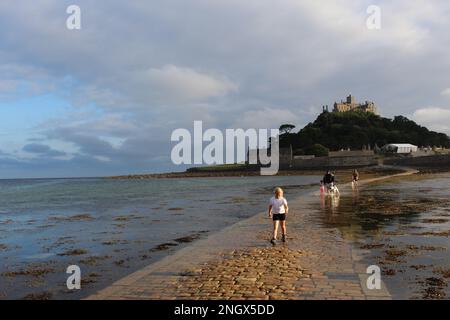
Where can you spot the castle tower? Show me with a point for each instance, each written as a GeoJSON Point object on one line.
{"type": "Point", "coordinates": [351, 99]}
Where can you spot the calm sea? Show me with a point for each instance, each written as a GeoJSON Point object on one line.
{"type": "Point", "coordinates": [113, 227]}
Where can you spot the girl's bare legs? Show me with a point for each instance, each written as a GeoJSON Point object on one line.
{"type": "Point", "coordinates": [283, 227]}
{"type": "Point", "coordinates": [275, 229]}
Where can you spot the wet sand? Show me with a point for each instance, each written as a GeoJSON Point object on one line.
{"type": "Point", "coordinates": [403, 226]}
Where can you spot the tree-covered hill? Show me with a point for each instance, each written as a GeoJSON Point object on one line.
{"type": "Point", "coordinates": [355, 129]}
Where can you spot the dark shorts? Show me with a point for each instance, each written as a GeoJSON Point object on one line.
{"type": "Point", "coordinates": [279, 217]}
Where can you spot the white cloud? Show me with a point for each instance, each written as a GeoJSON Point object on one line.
{"type": "Point", "coordinates": [446, 92]}
{"type": "Point", "coordinates": [267, 118]}
{"type": "Point", "coordinates": [182, 85]}
{"type": "Point", "coordinates": [437, 119]}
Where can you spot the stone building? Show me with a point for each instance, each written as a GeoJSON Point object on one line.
{"type": "Point", "coordinates": [351, 104]}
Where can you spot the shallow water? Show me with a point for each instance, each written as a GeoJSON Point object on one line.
{"type": "Point", "coordinates": [405, 224]}
{"type": "Point", "coordinates": [112, 227]}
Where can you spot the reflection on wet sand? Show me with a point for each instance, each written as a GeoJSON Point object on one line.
{"type": "Point", "coordinates": [330, 204]}
{"type": "Point", "coordinates": [402, 226]}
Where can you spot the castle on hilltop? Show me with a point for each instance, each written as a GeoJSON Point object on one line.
{"type": "Point", "coordinates": [350, 104]}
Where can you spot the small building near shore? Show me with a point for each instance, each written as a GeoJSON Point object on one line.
{"type": "Point", "coordinates": [399, 148]}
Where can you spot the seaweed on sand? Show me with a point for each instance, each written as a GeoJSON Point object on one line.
{"type": "Point", "coordinates": [389, 272]}
{"type": "Point", "coordinates": [128, 217]}
{"type": "Point", "coordinates": [45, 295]}
{"type": "Point", "coordinates": [114, 242]}
{"type": "Point", "coordinates": [76, 217]}
{"type": "Point", "coordinates": [435, 220]}
{"type": "Point", "coordinates": [34, 272]}
{"type": "Point", "coordinates": [434, 233]}
{"type": "Point", "coordinates": [90, 278]}
{"type": "Point", "coordinates": [418, 267]}
{"type": "Point", "coordinates": [433, 293]}
{"type": "Point", "coordinates": [73, 252]}
{"type": "Point", "coordinates": [445, 272]}
{"type": "Point", "coordinates": [186, 239]}
{"type": "Point", "coordinates": [93, 260]}
{"type": "Point", "coordinates": [191, 237]}
{"type": "Point", "coordinates": [372, 246]}
{"type": "Point", "coordinates": [394, 254]}
{"type": "Point", "coordinates": [437, 282]}
{"type": "Point", "coordinates": [433, 288]}
{"type": "Point", "coordinates": [163, 246]}
{"type": "Point", "coordinates": [120, 263]}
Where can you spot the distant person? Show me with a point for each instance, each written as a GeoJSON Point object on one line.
{"type": "Point", "coordinates": [322, 187]}
{"type": "Point", "coordinates": [278, 210]}
{"type": "Point", "coordinates": [355, 178]}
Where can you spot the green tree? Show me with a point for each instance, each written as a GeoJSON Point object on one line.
{"type": "Point", "coordinates": [318, 150]}
{"type": "Point", "coordinates": [355, 129]}
{"type": "Point", "coordinates": [286, 128]}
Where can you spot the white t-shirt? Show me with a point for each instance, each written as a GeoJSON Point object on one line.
{"type": "Point", "coordinates": [278, 205]}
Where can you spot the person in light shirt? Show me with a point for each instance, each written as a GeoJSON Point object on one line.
{"type": "Point", "coordinates": [278, 210]}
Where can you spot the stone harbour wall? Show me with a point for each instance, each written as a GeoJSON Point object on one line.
{"type": "Point", "coordinates": [329, 162]}
{"type": "Point", "coordinates": [425, 161]}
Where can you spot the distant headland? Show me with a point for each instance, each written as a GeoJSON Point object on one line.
{"type": "Point", "coordinates": [351, 135]}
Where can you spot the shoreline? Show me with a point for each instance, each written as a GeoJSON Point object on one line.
{"type": "Point", "coordinates": [250, 173]}
{"type": "Point", "coordinates": [244, 242]}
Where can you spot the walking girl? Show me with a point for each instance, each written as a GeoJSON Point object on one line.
{"type": "Point", "coordinates": [278, 210]}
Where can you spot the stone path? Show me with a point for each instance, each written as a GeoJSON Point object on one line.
{"type": "Point", "coordinates": [240, 263]}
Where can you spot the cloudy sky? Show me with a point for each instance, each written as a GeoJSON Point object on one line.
{"type": "Point", "coordinates": [105, 99]}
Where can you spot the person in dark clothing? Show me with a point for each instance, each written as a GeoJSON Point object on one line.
{"type": "Point", "coordinates": [328, 178]}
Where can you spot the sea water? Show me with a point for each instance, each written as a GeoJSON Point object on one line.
{"type": "Point", "coordinates": [111, 228]}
